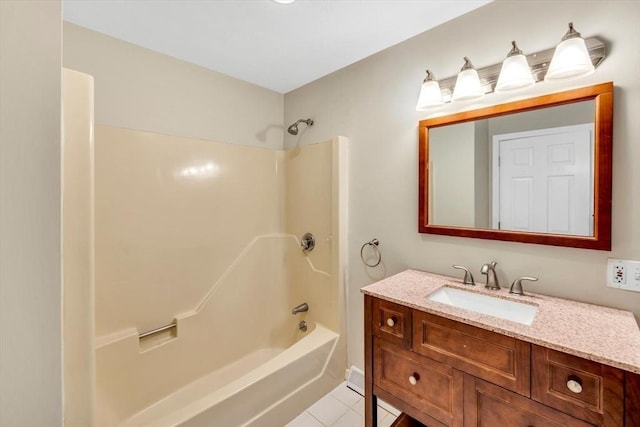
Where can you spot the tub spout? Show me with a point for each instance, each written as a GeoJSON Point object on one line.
{"type": "Point", "coordinates": [299, 308]}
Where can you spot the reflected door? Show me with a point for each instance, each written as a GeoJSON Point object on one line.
{"type": "Point", "coordinates": [544, 181]}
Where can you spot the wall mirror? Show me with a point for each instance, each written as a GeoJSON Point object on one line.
{"type": "Point", "coordinates": [536, 171]}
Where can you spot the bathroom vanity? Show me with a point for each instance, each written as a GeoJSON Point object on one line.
{"type": "Point", "coordinates": [574, 365]}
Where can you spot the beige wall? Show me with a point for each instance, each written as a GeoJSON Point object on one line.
{"type": "Point", "coordinates": [30, 273]}
{"type": "Point", "coordinates": [452, 175]}
{"type": "Point", "coordinates": [482, 168]}
{"type": "Point", "coordinates": [373, 103]}
{"type": "Point", "coordinates": [137, 88]}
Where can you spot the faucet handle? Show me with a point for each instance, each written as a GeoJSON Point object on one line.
{"type": "Point", "coordinates": [468, 277]}
{"type": "Point", "coordinates": [516, 286]}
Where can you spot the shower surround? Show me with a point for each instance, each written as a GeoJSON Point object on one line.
{"type": "Point", "coordinates": [205, 236]}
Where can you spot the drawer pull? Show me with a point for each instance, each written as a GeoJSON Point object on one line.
{"type": "Point", "coordinates": [574, 385]}
{"type": "Point", "coordinates": [413, 379]}
{"type": "Point", "coordinates": [391, 321]}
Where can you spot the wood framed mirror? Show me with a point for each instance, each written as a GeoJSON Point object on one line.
{"type": "Point", "coordinates": [535, 171]}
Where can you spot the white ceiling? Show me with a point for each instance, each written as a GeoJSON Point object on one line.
{"type": "Point", "coordinates": [277, 46]}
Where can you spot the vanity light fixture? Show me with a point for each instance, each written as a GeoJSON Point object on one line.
{"type": "Point", "coordinates": [567, 61]}
{"type": "Point", "coordinates": [468, 84]}
{"type": "Point", "coordinates": [571, 58]}
{"type": "Point", "coordinates": [430, 94]}
{"type": "Point", "coordinates": [515, 72]}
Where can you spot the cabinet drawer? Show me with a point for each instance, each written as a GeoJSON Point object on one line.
{"type": "Point", "coordinates": [502, 360]}
{"type": "Point", "coordinates": [489, 405]}
{"type": "Point", "coordinates": [585, 389]}
{"type": "Point", "coordinates": [392, 322]}
{"type": "Point", "coordinates": [432, 388]}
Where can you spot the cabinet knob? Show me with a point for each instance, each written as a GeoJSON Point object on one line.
{"type": "Point", "coordinates": [391, 321]}
{"type": "Point", "coordinates": [413, 379]}
{"type": "Point", "coordinates": [574, 385]}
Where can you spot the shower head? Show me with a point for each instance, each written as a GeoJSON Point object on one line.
{"type": "Point", "coordinates": [293, 129]}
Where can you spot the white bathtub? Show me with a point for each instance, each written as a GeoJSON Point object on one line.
{"type": "Point", "coordinates": [222, 282]}
{"type": "Point", "coordinates": [234, 360]}
{"type": "Point", "coordinates": [254, 390]}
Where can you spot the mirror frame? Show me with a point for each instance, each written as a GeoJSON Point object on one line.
{"type": "Point", "coordinates": [602, 94]}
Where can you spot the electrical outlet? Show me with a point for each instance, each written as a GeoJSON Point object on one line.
{"type": "Point", "coordinates": [618, 273]}
{"type": "Point", "coordinates": [623, 274]}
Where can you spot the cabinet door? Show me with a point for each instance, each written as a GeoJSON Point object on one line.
{"type": "Point", "coordinates": [487, 405]}
{"type": "Point", "coordinates": [432, 389]}
{"type": "Point", "coordinates": [585, 389]}
{"type": "Point", "coordinates": [392, 322]}
{"type": "Point", "coordinates": [632, 399]}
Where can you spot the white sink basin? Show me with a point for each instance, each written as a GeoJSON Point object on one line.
{"type": "Point", "coordinates": [485, 304]}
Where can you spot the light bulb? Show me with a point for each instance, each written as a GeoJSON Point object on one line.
{"type": "Point", "coordinates": [468, 84]}
{"type": "Point", "coordinates": [571, 58]}
{"type": "Point", "coordinates": [515, 72]}
{"type": "Point", "coordinates": [430, 94]}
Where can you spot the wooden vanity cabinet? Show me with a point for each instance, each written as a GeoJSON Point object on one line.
{"type": "Point", "coordinates": [444, 373]}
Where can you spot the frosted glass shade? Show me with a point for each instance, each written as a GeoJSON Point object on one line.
{"type": "Point", "coordinates": [430, 95]}
{"type": "Point", "coordinates": [467, 86]}
{"type": "Point", "coordinates": [514, 74]}
{"type": "Point", "coordinates": [570, 60]}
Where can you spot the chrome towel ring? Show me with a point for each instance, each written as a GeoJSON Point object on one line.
{"type": "Point", "coordinates": [374, 244]}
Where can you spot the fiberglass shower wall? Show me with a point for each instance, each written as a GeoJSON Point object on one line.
{"type": "Point", "coordinates": [204, 235]}
{"type": "Point", "coordinates": [77, 249]}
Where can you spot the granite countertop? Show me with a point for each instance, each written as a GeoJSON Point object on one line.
{"type": "Point", "coordinates": [601, 334]}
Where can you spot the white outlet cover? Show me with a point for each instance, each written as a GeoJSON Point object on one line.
{"type": "Point", "coordinates": [623, 274]}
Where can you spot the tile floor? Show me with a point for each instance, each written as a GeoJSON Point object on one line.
{"type": "Point", "coordinates": [342, 407]}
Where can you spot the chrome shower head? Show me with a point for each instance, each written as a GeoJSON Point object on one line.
{"type": "Point", "coordinates": [293, 129]}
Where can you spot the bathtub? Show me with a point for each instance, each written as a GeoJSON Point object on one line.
{"type": "Point", "coordinates": [196, 279]}
{"type": "Point", "coordinates": [239, 359]}
{"type": "Point", "coordinates": [255, 390]}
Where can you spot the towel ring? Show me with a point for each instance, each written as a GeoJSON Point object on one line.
{"type": "Point", "coordinates": [374, 244]}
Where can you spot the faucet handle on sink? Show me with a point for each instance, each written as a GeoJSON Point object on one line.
{"type": "Point", "coordinates": [468, 277]}
{"type": "Point", "coordinates": [516, 286]}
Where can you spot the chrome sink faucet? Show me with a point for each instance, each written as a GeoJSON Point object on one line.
{"type": "Point", "coordinates": [489, 270]}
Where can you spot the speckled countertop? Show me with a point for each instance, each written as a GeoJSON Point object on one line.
{"type": "Point", "coordinates": [593, 332]}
